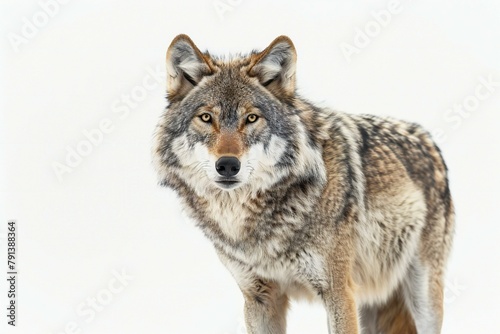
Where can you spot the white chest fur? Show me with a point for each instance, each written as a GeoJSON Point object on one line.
{"type": "Point", "coordinates": [230, 214]}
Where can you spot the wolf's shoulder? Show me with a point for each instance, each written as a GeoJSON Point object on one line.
{"type": "Point", "coordinates": [380, 128]}
{"type": "Point", "coordinates": [372, 130]}
{"type": "Point", "coordinates": [395, 133]}
{"type": "Point", "coordinates": [383, 139]}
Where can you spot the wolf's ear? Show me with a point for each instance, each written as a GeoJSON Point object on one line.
{"type": "Point", "coordinates": [186, 66]}
{"type": "Point", "coordinates": [275, 66]}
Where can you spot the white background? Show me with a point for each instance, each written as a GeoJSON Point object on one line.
{"type": "Point", "coordinates": [109, 215]}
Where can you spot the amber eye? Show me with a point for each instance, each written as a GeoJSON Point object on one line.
{"type": "Point", "coordinates": [252, 118]}
{"type": "Point", "coordinates": [207, 118]}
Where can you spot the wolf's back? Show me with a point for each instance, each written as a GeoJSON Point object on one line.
{"type": "Point", "coordinates": [413, 148]}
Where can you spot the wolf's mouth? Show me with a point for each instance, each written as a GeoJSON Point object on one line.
{"type": "Point", "coordinates": [227, 183]}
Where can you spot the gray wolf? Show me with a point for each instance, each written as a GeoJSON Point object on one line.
{"type": "Point", "coordinates": [353, 211]}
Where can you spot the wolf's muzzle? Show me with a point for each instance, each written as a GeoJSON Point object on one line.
{"type": "Point", "coordinates": [228, 166]}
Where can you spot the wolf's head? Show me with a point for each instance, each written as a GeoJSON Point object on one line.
{"type": "Point", "coordinates": [233, 124]}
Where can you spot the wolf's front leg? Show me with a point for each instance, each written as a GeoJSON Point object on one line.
{"type": "Point", "coordinates": [266, 303]}
{"type": "Point", "coordinates": [341, 310]}
{"type": "Point", "coordinates": [265, 308]}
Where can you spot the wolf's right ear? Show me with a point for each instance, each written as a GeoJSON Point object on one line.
{"type": "Point", "coordinates": [186, 66]}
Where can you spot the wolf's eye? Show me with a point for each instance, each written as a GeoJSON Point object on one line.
{"type": "Point", "coordinates": [252, 118]}
{"type": "Point", "coordinates": [207, 118]}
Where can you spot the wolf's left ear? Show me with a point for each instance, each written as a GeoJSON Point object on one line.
{"type": "Point", "coordinates": [186, 66]}
{"type": "Point", "coordinates": [275, 66]}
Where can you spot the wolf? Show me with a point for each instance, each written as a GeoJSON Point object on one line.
{"type": "Point", "coordinates": [353, 211]}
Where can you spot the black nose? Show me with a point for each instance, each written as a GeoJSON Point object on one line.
{"type": "Point", "coordinates": [227, 166]}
